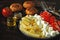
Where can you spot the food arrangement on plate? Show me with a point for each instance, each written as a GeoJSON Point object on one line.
{"type": "Point", "coordinates": [39, 26]}
{"type": "Point", "coordinates": [42, 25]}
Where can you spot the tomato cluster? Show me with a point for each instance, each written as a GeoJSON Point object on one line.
{"type": "Point", "coordinates": [51, 20]}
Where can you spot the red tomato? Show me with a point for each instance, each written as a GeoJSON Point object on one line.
{"type": "Point", "coordinates": [59, 23]}
{"type": "Point", "coordinates": [55, 26]}
{"type": "Point", "coordinates": [6, 12]}
{"type": "Point", "coordinates": [52, 19]}
{"type": "Point", "coordinates": [46, 15]}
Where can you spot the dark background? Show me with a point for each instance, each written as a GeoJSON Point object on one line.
{"type": "Point", "coordinates": [15, 34]}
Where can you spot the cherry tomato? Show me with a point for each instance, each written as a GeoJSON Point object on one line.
{"type": "Point", "coordinates": [55, 26]}
{"type": "Point", "coordinates": [52, 19]}
{"type": "Point", "coordinates": [46, 15]}
{"type": "Point", "coordinates": [58, 22]}
{"type": "Point", "coordinates": [6, 12]}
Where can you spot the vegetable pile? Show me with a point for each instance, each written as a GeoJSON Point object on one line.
{"type": "Point", "coordinates": [51, 20]}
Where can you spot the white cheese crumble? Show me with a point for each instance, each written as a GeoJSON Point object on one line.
{"type": "Point", "coordinates": [45, 27]}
